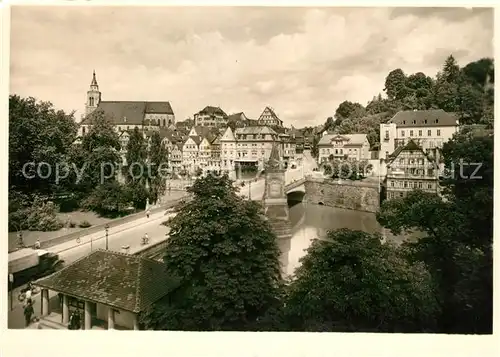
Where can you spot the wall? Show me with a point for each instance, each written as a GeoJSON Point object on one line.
{"type": "Point", "coordinates": [356, 195]}
{"type": "Point", "coordinates": [122, 318]}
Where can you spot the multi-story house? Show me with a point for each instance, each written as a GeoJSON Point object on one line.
{"type": "Point", "coordinates": [343, 147]}
{"type": "Point", "coordinates": [298, 137]}
{"type": "Point", "coordinates": [429, 129]}
{"type": "Point", "coordinates": [228, 153]}
{"type": "Point", "coordinates": [409, 168]}
{"type": "Point", "coordinates": [190, 151]}
{"type": "Point", "coordinates": [209, 154]}
{"type": "Point", "coordinates": [126, 115]}
{"type": "Point", "coordinates": [287, 147]}
{"type": "Point", "coordinates": [199, 149]}
{"type": "Point", "coordinates": [210, 117]}
{"type": "Point", "coordinates": [254, 145]}
{"type": "Point", "coordinates": [175, 157]}
{"type": "Point", "coordinates": [269, 118]}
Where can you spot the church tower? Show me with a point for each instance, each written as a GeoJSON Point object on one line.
{"type": "Point", "coordinates": [93, 96]}
{"type": "Point", "coordinates": [276, 205]}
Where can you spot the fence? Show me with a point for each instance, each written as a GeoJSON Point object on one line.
{"type": "Point", "coordinates": [101, 227]}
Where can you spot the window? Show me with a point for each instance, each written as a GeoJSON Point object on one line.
{"type": "Point", "coordinates": [405, 184]}
{"type": "Point", "coordinates": [392, 183]}
{"type": "Point", "coordinates": [430, 172]}
{"type": "Point", "coordinates": [420, 185]}
{"type": "Point", "coordinates": [438, 132]}
{"type": "Point", "coordinates": [402, 161]}
{"type": "Point", "coordinates": [420, 133]}
{"type": "Point", "coordinates": [83, 130]}
{"type": "Point", "coordinates": [425, 121]}
{"type": "Point", "coordinates": [404, 121]}
{"type": "Point", "coordinates": [91, 101]}
{"type": "Point", "coordinates": [387, 135]}
{"type": "Point", "coordinates": [411, 132]}
{"type": "Point", "coordinates": [401, 194]}
{"type": "Point", "coordinates": [429, 186]}
{"type": "Point", "coordinates": [402, 133]}
{"type": "Point", "coordinates": [428, 133]}
{"type": "Point", "coordinates": [437, 121]}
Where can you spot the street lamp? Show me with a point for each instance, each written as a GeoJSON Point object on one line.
{"type": "Point", "coordinates": [106, 227]}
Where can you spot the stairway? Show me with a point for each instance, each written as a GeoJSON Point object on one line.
{"type": "Point", "coordinates": [52, 322]}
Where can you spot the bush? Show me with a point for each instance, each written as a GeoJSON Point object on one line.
{"type": "Point", "coordinates": [34, 216]}
{"type": "Point", "coordinates": [84, 224]}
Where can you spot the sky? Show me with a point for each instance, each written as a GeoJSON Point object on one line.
{"type": "Point", "coordinates": [301, 61]}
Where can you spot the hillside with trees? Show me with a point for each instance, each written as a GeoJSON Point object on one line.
{"type": "Point", "coordinates": [466, 91]}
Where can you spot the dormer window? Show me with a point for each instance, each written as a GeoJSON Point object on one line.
{"type": "Point", "coordinates": [404, 121]}
{"type": "Point", "coordinates": [124, 119]}
{"type": "Point", "coordinates": [425, 121]}
{"type": "Point", "coordinates": [414, 122]}
{"type": "Point", "coordinates": [437, 121]}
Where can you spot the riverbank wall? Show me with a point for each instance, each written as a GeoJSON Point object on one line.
{"type": "Point", "coordinates": [354, 195]}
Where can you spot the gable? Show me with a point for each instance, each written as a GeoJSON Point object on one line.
{"type": "Point", "coordinates": [228, 135]}
{"type": "Point", "coordinates": [205, 142]}
{"type": "Point", "coordinates": [190, 141]}
{"type": "Point", "coordinates": [193, 132]}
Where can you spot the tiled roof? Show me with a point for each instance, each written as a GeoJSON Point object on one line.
{"type": "Point", "coordinates": [212, 110]}
{"type": "Point", "coordinates": [159, 108]}
{"type": "Point", "coordinates": [410, 146]}
{"type": "Point", "coordinates": [197, 139]}
{"type": "Point", "coordinates": [119, 280]}
{"type": "Point", "coordinates": [261, 129]}
{"type": "Point", "coordinates": [234, 117]}
{"type": "Point", "coordinates": [205, 130]}
{"type": "Point", "coordinates": [418, 118]}
{"type": "Point", "coordinates": [125, 112]}
{"type": "Point", "coordinates": [271, 112]}
{"type": "Point", "coordinates": [353, 139]}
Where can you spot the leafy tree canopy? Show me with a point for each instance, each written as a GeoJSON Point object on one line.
{"type": "Point", "coordinates": [228, 259]}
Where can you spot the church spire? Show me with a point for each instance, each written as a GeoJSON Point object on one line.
{"type": "Point", "coordinates": [94, 81]}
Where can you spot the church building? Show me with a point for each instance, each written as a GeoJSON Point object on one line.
{"type": "Point", "coordinates": [126, 115]}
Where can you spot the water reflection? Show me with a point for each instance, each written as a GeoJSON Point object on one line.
{"type": "Point", "coordinates": [311, 221]}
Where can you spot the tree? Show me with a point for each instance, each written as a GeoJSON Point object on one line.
{"type": "Point", "coordinates": [348, 109]}
{"type": "Point", "coordinates": [38, 133]}
{"type": "Point", "coordinates": [351, 282]}
{"type": "Point", "coordinates": [228, 260]}
{"type": "Point", "coordinates": [451, 70]}
{"type": "Point", "coordinates": [158, 163]}
{"type": "Point", "coordinates": [100, 151]}
{"type": "Point", "coordinates": [137, 168]}
{"type": "Point", "coordinates": [108, 199]}
{"type": "Point", "coordinates": [347, 169]}
{"type": "Point", "coordinates": [395, 84]}
{"type": "Point", "coordinates": [457, 248]}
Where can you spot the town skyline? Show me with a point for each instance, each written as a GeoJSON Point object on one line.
{"type": "Point", "coordinates": [288, 58]}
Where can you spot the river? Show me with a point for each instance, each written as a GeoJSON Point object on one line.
{"type": "Point", "coordinates": [311, 221]}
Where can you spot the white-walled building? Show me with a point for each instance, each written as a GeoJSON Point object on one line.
{"type": "Point", "coordinates": [211, 117]}
{"type": "Point", "coordinates": [254, 145]}
{"type": "Point", "coordinates": [409, 168]}
{"type": "Point", "coordinates": [228, 153]}
{"type": "Point", "coordinates": [429, 129]}
{"type": "Point", "coordinates": [343, 146]}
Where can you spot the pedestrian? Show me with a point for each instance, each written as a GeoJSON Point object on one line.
{"type": "Point", "coordinates": [148, 212]}
{"type": "Point", "coordinates": [27, 294]}
{"type": "Point", "coordinates": [28, 313]}
{"type": "Point", "coordinates": [37, 244]}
